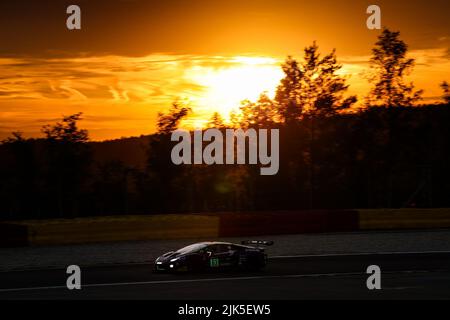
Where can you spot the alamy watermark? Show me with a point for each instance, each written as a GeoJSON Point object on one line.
{"type": "Point", "coordinates": [73, 21]}
{"type": "Point", "coordinates": [74, 279]}
{"type": "Point", "coordinates": [231, 149]}
{"type": "Point", "coordinates": [374, 20]}
{"type": "Point", "coordinates": [374, 280]}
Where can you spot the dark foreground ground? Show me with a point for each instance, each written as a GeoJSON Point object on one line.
{"type": "Point", "coordinates": [404, 276]}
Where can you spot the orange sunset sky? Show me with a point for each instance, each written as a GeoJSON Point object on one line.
{"type": "Point", "coordinates": [133, 58]}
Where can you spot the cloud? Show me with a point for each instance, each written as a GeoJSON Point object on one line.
{"type": "Point", "coordinates": [124, 94]}
{"type": "Point", "coordinates": [103, 87]}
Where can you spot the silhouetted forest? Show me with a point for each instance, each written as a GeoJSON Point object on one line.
{"type": "Point", "coordinates": [391, 152]}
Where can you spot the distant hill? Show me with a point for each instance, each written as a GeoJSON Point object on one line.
{"type": "Point", "coordinates": [131, 151]}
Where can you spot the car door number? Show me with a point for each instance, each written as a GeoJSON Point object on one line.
{"type": "Point", "coordinates": [214, 262]}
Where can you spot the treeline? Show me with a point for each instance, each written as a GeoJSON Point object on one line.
{"type": "Point", "coordinates": [389, 153]}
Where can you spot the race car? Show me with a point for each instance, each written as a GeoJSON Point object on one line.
{"type": "Point", "coordinates": [206, 256]}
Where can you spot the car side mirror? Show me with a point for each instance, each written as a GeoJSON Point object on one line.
{"type": "Point", "coordinates": [209, 253]}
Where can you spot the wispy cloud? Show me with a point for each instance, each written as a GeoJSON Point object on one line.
{"type": "Point", "coordinates": [128, 92]}
{"type": "Point", "coordinates": [125, 88]}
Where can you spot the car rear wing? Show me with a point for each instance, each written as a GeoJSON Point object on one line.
{"type": "Point", "coordinates": [258, 243]}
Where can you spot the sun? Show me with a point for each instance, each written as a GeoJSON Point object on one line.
{"type": "Point", "coordinates": [239, 79]}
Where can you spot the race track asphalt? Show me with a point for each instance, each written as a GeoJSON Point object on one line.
{"type": "Point", "coordinates": [403, 276]}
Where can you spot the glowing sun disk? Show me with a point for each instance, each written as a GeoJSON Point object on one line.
{"type": "Point", "coordinates": [226, 87]}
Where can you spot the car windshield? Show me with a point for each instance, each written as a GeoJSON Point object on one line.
{"type": "Point", "coordinates": [192, 248]}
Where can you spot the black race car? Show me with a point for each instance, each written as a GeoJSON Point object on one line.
{"type": "Point", "coordinates": [204, 256]}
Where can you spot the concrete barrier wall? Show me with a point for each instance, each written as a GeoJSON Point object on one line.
{"type": "Point", "coordinates": [13, 235]}
{"type": "Point", "coordinates": [212, 226]}
{"type": "Point", "coordinates": [291, 222]}
{"type": "Point", "coordinates": [124, 228]}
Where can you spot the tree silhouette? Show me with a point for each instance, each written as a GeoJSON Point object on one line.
{"type": "Point", "coordinates": [446, 96]}
{"type": "Point", "coordinates": [375, 157]}
{"type": "Point", "coordinates": [288, 95]}
{"type": "Point", "coordinates": [235, 119]}
{"type": "Point", "coordinates": [111, 187]}
{"type": "Point", "coordinates": [312, 87]}
{"type": "Point", "coordinates": [20, 168]}
{"type": "Point", "coordinates": [311, 90]}
{"type": "Point", "coordinates": [323, 89]}
{"type": "Point", "coordinates": [66, 131]}
{"type": "Point", "coordinates": [216, 121]}
{"type": "Point", "coordinates": [68, 159]}
{"type": "Point", "coordinates": [169, 122]}
{"type": "Point", "coordinates": [160, 170]}
{"type": "Point", "coordinates": [17, 136]}
{"type": "Point", "coordinates": [391, 65]}
{"type": "Point", "coordinates": [262, 113]}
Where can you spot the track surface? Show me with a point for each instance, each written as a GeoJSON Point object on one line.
{"type": "Point", "coordinates": [404, 276]}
